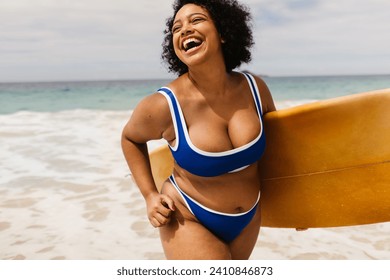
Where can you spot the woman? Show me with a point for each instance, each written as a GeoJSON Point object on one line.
{"type": "Point", "coordinates": [211, 118]}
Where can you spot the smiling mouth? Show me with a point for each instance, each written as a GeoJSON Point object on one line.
{"type": "Point", "coordinates": [191, 43]}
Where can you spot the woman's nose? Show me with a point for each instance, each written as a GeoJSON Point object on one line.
{"type": "Point", "coordinates": [186, 29]}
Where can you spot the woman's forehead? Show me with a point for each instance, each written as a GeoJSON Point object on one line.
{"type": "Point", "coordinates": [189, 9]}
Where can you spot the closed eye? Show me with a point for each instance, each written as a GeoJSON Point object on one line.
{"type": "Point", "coordinates": [195, 20]}
{"type": "Point", "coordinates": [176, 29]}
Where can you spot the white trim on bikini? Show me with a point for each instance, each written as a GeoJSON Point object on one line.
{"type": "Point", "coordinates": [173, 115]}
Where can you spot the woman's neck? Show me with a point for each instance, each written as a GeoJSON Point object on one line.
{"type": "Point", "coordinates": [209, 81]}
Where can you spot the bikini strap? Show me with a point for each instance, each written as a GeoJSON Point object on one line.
{"type": "Point", "coordinates": [176, 114]}
{"type": "Point", "coordinates": [255, 92]}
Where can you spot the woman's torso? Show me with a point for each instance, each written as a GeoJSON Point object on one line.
{"type": "Point", "coordinates": [218, 124]}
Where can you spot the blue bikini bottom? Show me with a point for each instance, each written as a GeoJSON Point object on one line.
{"type": "Point", "coordinates": [225, 226]}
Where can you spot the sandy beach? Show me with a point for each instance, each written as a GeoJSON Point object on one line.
{"type": "Point", "coordinates": [66, 193]}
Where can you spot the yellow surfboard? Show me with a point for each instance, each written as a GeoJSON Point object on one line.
{"type": "Point", "coordinates": [326, 163]}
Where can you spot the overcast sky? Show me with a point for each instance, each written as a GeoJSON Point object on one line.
{"type": "Point", "coordinates": [46, 40]}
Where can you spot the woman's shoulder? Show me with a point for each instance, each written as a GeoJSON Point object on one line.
{"type": "Point", "coordinates": [259, 80]}
{"type": "Point", "coordinates": [152, 102]}
{"type": "Point", "coordinates": [149, 119]}
{"type": "Point", "coordinates": [265, 94]}
{"type": "Point", "coordinates": [153, 108]}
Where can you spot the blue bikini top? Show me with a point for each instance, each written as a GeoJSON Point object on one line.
{"type": "Point", "coordinates": [209, 164]}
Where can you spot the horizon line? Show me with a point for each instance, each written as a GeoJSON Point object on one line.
{"type": "Point", "coordinates": [172, 78]}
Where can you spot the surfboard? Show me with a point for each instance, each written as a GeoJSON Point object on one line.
{"type": "Point", "coordinates": [326, 163]}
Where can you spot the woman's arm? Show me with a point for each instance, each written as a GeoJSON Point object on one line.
{"type": "Point", "coordinates": [149, 121]}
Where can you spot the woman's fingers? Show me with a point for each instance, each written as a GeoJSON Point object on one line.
{"type": "Point", "coordinates": [167, 201]}
{"type": "Point", "coordinates": [154, 222]}
{"type": "Point", "coordinates": [161, 211]}
{"type": "Point", "coordinates": [159, 220]}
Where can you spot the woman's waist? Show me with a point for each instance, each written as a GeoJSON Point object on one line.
{"type": "Point", "coordinates": [228, 193]}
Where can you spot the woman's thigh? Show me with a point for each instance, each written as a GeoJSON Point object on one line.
{"type": "Point", "coordinates": [185, 238]}
{"type": "Point", "coordinates": [241, 248]}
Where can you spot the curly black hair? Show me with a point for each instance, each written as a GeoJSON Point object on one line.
{"type": "Point", "coordinates": [233, 22]}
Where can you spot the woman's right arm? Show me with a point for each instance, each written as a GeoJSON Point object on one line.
{"type": "Point", "coordinates": [150, 119]}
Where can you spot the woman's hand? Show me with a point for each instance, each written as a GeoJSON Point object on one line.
{"type": "Point", "coordinates": [159, 209]}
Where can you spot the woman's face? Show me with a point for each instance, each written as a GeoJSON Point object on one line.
{"type": "Point", "coordinates": [195, 37]}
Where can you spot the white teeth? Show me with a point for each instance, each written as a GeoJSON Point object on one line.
{"type": "Point", "coordinates": [188, 42]}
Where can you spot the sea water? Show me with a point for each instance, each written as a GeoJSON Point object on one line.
{"type": "Point", "coordinates": [124, 95]}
